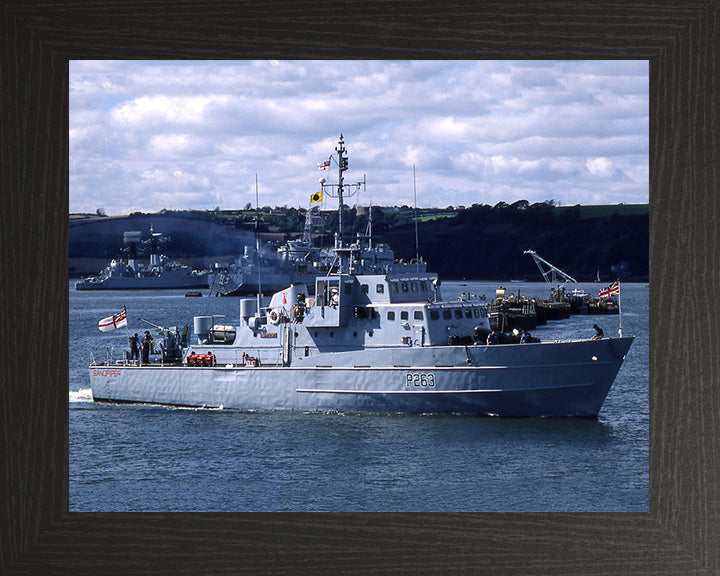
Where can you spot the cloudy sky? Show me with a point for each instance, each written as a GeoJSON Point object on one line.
{"type": "Point", "coordinates": [148, 135]}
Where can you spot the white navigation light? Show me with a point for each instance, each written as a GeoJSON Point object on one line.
{"type": "Point", "coordinates": [321, 180]}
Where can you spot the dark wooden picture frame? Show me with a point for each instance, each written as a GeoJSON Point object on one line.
{"type": "Point", "coordinates": [681, 532]}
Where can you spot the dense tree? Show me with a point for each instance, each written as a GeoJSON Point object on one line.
{"type": "Point", "coordinates": [476, 242]}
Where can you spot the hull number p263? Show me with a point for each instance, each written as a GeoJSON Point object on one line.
{"type": "Point", "coordinates": [419, 380]}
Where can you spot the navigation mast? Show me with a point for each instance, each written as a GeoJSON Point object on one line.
{"type": "Point", "coordinates": [342, 166]}
{"type": "Point", "coordinates": [342, 161]}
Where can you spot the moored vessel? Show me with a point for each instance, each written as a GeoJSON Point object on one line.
{"type": "Point", "coordinates": [131, 274]}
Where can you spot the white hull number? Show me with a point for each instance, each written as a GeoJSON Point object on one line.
{"type": "Point", "coordinates": [419, 380]}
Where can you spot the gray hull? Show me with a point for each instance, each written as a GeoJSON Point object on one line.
{"type": "Point", "coordinates": [546, 379]}
{"type": "Point", "coordinates": [164, 281]}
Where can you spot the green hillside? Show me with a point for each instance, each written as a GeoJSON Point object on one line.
{"type": "Point", "coordinates": [476, 242]}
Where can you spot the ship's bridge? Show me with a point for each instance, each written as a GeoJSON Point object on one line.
{"type": "Point", "coordinates": [395, 308]}
{"type": "Point", "coordinates": [390, 288]}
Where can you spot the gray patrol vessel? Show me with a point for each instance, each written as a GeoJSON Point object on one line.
{"type": "Point", "coordinates": [365, 342]}
{"type": "Point", "coordinates": [157, 274]}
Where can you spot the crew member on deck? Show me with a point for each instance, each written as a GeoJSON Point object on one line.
{"type": "Point", "coordinates": [146, 343]}
{"type": "Point", "coordinates": [598, 333]}
{"type": "Point", "coordinates": [493, 337]}
{"type": "Point", "coordinates": [134, 347]}
{"type": "Point", "coordinates": [524, 337]}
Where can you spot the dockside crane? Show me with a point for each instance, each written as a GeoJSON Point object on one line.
{"type": "Point", "coordinates": [551, 273]}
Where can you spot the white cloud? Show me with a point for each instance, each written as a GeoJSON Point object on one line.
{"type": "Point", "coordinates": [600, 167]}
{"type": "Point", "coordinates": [148, 135]}
{"type": "Point", "coordinates": [153, 110]}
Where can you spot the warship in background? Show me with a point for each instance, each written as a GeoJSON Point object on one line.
{"type": "Point", "coordinates": [383, 342]}
{"type": "Point", "coordinates": [300, 261]}
{"type": "Point", "coordinates": [131, 274]}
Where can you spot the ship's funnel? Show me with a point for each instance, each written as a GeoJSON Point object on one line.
{"type": "Point", "coordinates": [248, 308]}
{"type": "Point", "coordinates": [202, 326]}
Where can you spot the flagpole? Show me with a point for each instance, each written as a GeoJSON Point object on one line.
{"type": "Point", "coordinates": [417, 243]}
{"type": "Point", "coordinates": [257, 244]}
{"type": "Point", "coordinates": [127, 330]}
{"type": "Point", "coordinates": [619, 310]}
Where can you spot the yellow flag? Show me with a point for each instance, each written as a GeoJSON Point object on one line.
{"type": "Point", "coordinates": [315, 198]}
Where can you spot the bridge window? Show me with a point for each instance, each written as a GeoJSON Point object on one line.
{"type": "Point", "coordinates": [434, 315]}
{"type": "Point", "coordinates": [476, 313]}
{"type": "Point", "coordinates": [418, 315]}
{"type": "Point", "coordinates": [423, 286]}
{"type": "Point", "coordinates": [458, 313]}
{"type": "Point", "coordinates": [394, 286]}
{"type": "Point", "coordinates": [413, 286]}
{"type": "Point", "coordinates": [447, 314]}
{"type": "Point", "coordinates": [404, 286]}
{"type": "Point", "coordinates": [391, 315]}
{"type": "Point", "coordinates": [364, 288]}
{"type": "Point", "coordinates": [379, 288]}
{"type": "Point", "coordinates": [404, 315]}
{"type": "Point", "coordinates": [468, 312]}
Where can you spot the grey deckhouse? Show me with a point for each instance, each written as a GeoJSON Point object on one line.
{"type": "Point", "coordinates": [347, 313]}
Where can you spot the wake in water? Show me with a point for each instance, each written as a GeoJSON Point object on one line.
{"type": "Point", "coordinates": [82, 395]}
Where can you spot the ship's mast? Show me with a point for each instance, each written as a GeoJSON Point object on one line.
{"type": "Point", "coordinates": [329, 189]}
{"type": "Point", "coordinates": [342, 166]}
{"type": "Point", "coordinates": [257, 243]}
